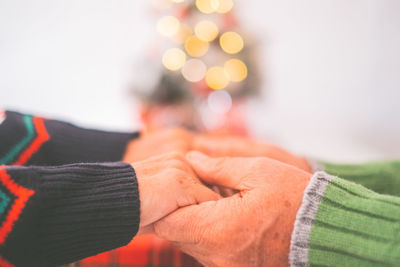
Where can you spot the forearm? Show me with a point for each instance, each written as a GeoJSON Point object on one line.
{"type": "Point", "coordinates": [344, 224]}
{"type": "Point", "coordinates": [55, 215]}
{"type": "Point", "coordinates": [30, 140]}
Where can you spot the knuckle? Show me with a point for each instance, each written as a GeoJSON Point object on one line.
{"type": "Point", "coordinates": [176, 174]}
{"type": "Point", "coordinates": [169, 173]}
{"type": "Point", "coordinates": [220, 163]}
{"type": "Point", "coordinates": [258, 164]}
{"type": "Point", "coordinates": [175, 155]}
{"type": "Point", "coordinates": [176, 164]}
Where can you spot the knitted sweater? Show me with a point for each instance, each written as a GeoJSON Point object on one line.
{"type": "Point", "coordinates": [349, 221]}
{"type": "Point", "coordinates": [59, 214]}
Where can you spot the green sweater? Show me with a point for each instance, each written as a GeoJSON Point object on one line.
{"type": "Point", "coordinates": [353, 220]}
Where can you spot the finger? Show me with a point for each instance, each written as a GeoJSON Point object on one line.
{"type": "Point", "coordinates": [227, 192]}
{"type": "Point", "coordinates": [199, 224]}
{"type": "Point", "coordinates": [223, 191]}
{"type": "Point", "coordinates": [227, 172]}
{"type": "Point", "coordinates": [201, 193]}
{"type": "Point", "coordinates": [209, 146]}
{"type": "Point", "coordinates": [183, 225]}
{"type": "Point", "coordinates": [174, 146]}
{"type": "Point", "coordinates": [167, 160]}
{"type": "Point", "coordinates": [216, 189]}
{"type": "Point", "coordinates": [194, 192]}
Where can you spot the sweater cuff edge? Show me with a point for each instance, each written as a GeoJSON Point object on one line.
{"type": "Point", "coordinates": [299, 244]}
{"type": "Point", "coordinates": [316, 165]}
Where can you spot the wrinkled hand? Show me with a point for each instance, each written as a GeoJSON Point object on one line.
{"type": "Point", "coordinates": [229, 146]}
{"type": "Point", "coordinates": [167, 183]}
{"type": "Point", "coordinates": [157, 143]}
{"type": "Point", "coordinates": [251, 228]}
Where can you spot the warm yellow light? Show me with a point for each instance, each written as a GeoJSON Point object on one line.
{"type": "Point", "coordinates": [206, 30]}
{"type": "Point", "coordinates": [224, 6]}
{"type": "Point", "coordinates": [236, 69]}
{"type": "Point", "coordinates": [231, 42]}
{"type": "Point", "coordinates": [168, 26]}
{"type": "Point", "coordinates": [174, 59]}
{"type": "Point", "coordinates": [194, 70]}
{"type": "Point", "coordinates": [196, 47]}
{"type": "Point", "coordinates": [183, 33]}
{"type": "Point", "coordinates": [217, 78]}
{"type": "Point", "coordinates": [207, 6]}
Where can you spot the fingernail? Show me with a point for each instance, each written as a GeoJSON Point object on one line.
{"type": "Point", "coordinates": [195, 156]}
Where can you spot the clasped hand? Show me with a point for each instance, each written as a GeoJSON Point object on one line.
{"type": "Point", "coordinates": [250, 228]}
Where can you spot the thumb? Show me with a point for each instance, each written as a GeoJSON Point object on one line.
{"type": "Point", "coordinates": [209, 146]}
{"type": "Point", "coordinates": [196, 223]}
{"type": "Point", "coordinates": [201, 193]}
{"type": "Point", "coordinates": [179, 226]}
{"type": "Point", "coordinates": [228, 172]}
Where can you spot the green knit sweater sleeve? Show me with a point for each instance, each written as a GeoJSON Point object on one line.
{"type": "Point", "coordinates": [382, 177]}
{"type": "Point", "coordinates": [341, 223]}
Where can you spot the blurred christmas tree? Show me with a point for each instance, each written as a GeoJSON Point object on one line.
{"type": "Point", "coordinates": [201, 71]}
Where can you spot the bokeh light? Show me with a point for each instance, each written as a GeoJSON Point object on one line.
{"type": "Point", "coordinates": [174, 59]}
{"type": "Point", "coordinates": [196, 47]}
{"type": "Point", "coordinates": [194, 70]}
{"type": "Point", "coordinates": [168, 26]}
{"type": "Point", "coordinates": [161, 4]}
{"type": "Point", "coordinates": [236, 69]}
{"type": "Point", "coordinates": [206, 30]}
{"type": "Point", "coordinates": [207, 6]}
{"type": "Point", "coordinates": [178, 1]}
{"type": "Point", "coordinates": [231, 42]}
{"type": "Point", "coordinates": [224, 6]}
{"type": "Point", "coordinates": [217, 78]}
{"type": "Point", "coordinates": [219, 102]}
{"type": "Point", "coordinates": [183, 33]}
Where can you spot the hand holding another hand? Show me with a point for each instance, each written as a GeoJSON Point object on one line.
{"type": "Point", "coordinates": [181, 140]}
{"type": "Point", "coordinates": [250, 228]}
{"type": "Point", "coordinates": [232, 146]}
{"type": "Point", "coordinates": [167, 183]}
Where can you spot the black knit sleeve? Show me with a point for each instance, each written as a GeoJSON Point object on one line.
{"type": "Point", "coordinates": [31, 140]}
{"type": "Point", "coordinates": [56, 215]}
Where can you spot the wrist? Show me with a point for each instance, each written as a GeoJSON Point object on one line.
{"type": "Point", "coordinates": [284, 156]}
{"type": "Point", "coordinates": [289, 200]}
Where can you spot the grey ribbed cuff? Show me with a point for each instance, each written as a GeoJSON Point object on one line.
{"type": "Point", "coordinates": [313, 194]}
{"type": "Point", "coordinates": [316, 166]}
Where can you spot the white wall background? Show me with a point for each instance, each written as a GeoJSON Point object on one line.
{"type": "Point", "coordinates": [332, 68]}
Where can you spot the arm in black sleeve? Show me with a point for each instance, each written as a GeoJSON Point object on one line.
{"type": "Point", "coordinates": [56, 215]}
{"type": "Point", "coordinates": [31, 140]}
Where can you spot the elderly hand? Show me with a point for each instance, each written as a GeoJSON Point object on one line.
{"type": "Point", "coordinates": [157, 143]}
{"type": "Point", "coordinates": [167, 183]}
{"type": "Point", "coordinates": [251, 228]}
{"type": "Point", "coordinates": [229, 146]}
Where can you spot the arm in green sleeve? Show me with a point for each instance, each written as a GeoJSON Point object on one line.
{"type": "Point", "coordinates": [341, 223]}
{"type": "Point", "coordinates": [381, 177]}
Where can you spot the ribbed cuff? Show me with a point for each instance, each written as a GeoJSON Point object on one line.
{"type": "Point", "coordinates": [344, 224]}
{"type": "Point", "coordinates": [316, 166]}
{"type": "Point", "coordinates": [77, 211]}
